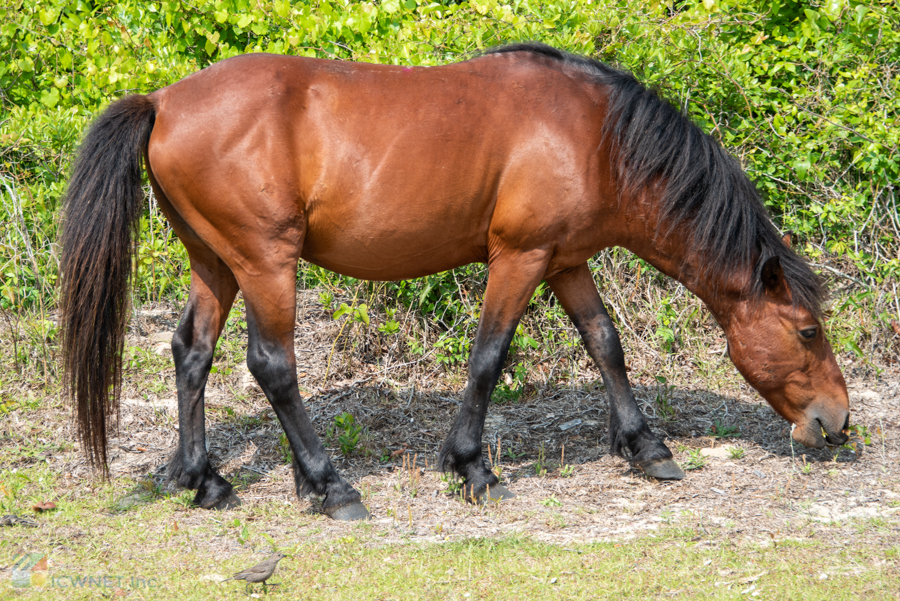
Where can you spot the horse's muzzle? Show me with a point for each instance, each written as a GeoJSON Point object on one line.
{"type": "Point", "coordinates": [823, 427]}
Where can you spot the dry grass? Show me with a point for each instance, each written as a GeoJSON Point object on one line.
{"type": "Point", "coordinates": [751, 492]}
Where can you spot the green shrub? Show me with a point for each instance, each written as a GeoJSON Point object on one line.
{"type": "Point", "coordinates": [804, 93]}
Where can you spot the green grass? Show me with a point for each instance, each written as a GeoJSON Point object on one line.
{"type": "Point", "coordinates": [162, 549]}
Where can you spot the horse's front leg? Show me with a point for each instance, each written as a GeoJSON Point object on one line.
{"type": "Point", "coordinates": [578, 295]}
{"type": "Point", "coordinates": [213, 289]}
{"type": "Point", "coordinates": [511, 282]}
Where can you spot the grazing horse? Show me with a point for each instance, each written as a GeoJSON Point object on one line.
{"type": "Point", "coordinates": [526, 158]}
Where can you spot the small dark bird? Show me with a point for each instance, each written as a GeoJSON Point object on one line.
{"type": "Point", "coordinates": [260, 572]}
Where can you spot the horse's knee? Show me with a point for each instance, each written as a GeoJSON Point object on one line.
{"type": "Point", "coordinates": [271, 368]}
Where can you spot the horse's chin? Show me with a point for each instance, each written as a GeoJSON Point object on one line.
{"type": "Point", "coordinates": [808, 434]}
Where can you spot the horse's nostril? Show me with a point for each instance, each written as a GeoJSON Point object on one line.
{"type": "Point", "coordinates": [846, 422]}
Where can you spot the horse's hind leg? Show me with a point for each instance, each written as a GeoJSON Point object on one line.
{"type": "Point", "coordinates": [577, 294]}
{"type": "Point", "coordinates": [270, 296]}
{"type": "Point", "coordinates": [511, 283]}
{"type": "Point", "coordinates": [213, 288]}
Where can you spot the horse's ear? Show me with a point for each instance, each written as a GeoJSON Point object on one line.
{"type": "Point", "coordinates": [772, 274]}
{"type": "Point", "coordinates": [787, 239]}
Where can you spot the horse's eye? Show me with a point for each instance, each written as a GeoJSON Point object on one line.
{"type": "Point", "coordinates": [809, 333]}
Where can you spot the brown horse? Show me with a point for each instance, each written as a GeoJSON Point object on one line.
{"type": "Point", "coordinates": [527, 159]}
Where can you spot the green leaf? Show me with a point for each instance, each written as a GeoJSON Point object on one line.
{"type": "Point", "coordinates": [341, 311]}
{"type": "Point", "coordinates": [363, 312]}
{"type": "Point", "coordinates": [48, 16]}
{"type": "Point", "coordinates": [801, 166]}
{"type": "Point", "coordinates": [429, 285]}
{"type": "Point", "coordinates": [851, 345]}
{"type": "Point", "coordinates": [50, 97]}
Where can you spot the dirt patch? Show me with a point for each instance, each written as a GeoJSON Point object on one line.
{"type": "Point", "coordinates": [551, 445]}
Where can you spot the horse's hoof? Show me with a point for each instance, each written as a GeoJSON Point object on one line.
{"type": "Point", "coordinates": [349, 513]}
{"type": "Point", "coordinates": [662, 469]}
{"type": "Point", "coordinates": [229, 502]}
{"type": "Point", "coordinates": [215, 493]}
{"type": "Point", "coordinates": [495, 493]}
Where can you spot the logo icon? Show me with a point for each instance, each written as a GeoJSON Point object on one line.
{"type": "Point", "coordinates": [29, 569]}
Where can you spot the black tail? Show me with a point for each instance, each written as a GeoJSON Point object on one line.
{"type": "Point", "coordinates": [102, 213]}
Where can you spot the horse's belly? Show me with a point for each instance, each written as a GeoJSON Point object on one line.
{"type": "Point", "coordinates": [389, 253]}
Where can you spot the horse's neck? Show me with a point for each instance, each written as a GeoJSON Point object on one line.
{"type": "Point", "coordinates": [669, 251]}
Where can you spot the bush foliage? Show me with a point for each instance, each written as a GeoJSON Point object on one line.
{"type": "Point", "coordinates": [805, 93]}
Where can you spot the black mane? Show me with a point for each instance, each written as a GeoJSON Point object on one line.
{"type": "Point", "coordinates": [704, 185]}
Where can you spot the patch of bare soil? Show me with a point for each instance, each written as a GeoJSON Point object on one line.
{"type": "Point", "coordinates": [551, 445]}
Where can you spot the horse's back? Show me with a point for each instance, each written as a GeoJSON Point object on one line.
{"type": "Point", "coordinates": [394, 172]}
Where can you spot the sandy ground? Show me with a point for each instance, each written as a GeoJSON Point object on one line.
{"type": "Point", "coordinates": [551, 446]}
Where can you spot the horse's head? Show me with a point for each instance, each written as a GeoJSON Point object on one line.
{"type": "Point", "coordinates": [781, 349]}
